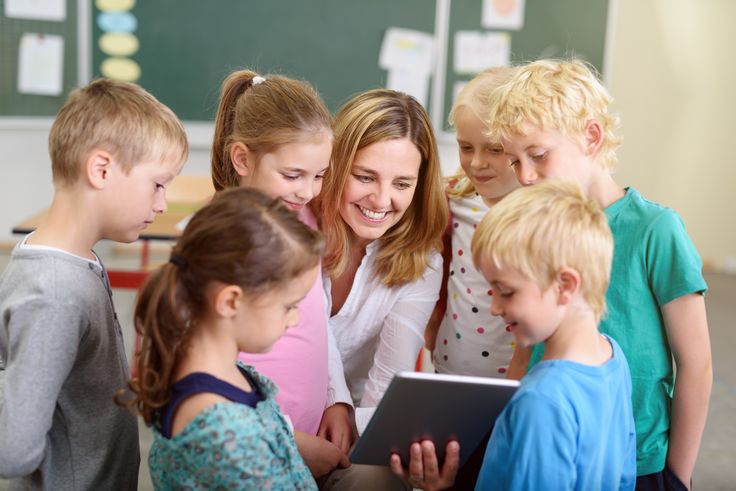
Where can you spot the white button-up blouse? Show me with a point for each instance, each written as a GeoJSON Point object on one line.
{"type": "Point", "coordinates": [378, 332]}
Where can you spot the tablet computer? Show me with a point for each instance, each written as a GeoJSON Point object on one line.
{"type": "Point", "coordinates": [427, 406]}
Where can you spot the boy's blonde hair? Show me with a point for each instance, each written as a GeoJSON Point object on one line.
{"type": "Point", "coordinates": [120, 118]}
{"type": "Point", "coordinates": [371, 117]}
{"type": "Point", "coordinates": [555, 94]}
{"type": "Point", "coordinates": [476, 96]}
{"type": "Point", "coordinates": [263, 113]}
{"type": "Point", "coordinates": [538, 230]}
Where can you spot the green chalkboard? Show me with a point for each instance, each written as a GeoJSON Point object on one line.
{"type": "Point", "coordinates": [552, 28]}
{"type": "Point", "coordinates": [187, 47]}
{"type": "Point", "coordinates": [13, 103]}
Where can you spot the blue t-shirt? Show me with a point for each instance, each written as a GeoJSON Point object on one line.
{"type": "Point", "coordinates": [654, 262]}
{"type": "Point", "coordinates": [568, 426]}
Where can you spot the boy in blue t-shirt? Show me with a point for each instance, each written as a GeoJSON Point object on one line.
{"type": "Point", "coordinates": [547, 254]}
{"type": "Point", "coordinates": [546, 251]}
{"type": "Point", "coordinates": [553, 119]}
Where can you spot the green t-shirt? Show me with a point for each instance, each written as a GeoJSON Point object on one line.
{"type": "Point", "coordinates": [654, 262]}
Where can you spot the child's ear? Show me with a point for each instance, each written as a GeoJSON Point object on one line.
{"type": "Point", "coordinates": [242, 159]}
{"type": "Point", "coordinates": [228, 300]}
{"type": "Point", "coordinates": [568, 285]}
{"type": "Point", "coordinates": [593, 136]}
{"type": "Point", "coordinates": [97, 168]}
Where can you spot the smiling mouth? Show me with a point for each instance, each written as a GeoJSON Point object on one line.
{"type": "Point", "coordinates": [294, 206]}
{"type": "Point", "coordinates": [375, 216]}
{"type": "Point", "coordinates": [483, 178]}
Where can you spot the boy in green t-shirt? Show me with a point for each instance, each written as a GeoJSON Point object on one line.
{"type": "Point", "coordinates": [553, 120]}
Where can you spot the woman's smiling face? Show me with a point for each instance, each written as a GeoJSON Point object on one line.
{"type": "Point", "coordinates": [380, 187]}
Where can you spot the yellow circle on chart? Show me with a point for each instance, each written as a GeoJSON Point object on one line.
{"type": "Point", "coordinates": [123, 69]}
{"type": "Point", "coordinates": [114, 5]}
{"type": "Point", "coordinates": [119, 44]}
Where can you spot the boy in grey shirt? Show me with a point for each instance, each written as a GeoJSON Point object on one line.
{"type": "Point", "coordinates": [113, 148]}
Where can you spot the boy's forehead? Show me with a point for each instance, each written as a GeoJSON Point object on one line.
{"type": "Point", "coordinates": [491, 271]}
{"type": "Point", "coordinates": [502, 275]}
{"type": "Point", "coordinates": [528, 134]}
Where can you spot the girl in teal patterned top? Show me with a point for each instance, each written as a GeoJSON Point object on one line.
{"type": "Point", "coordinates": [233, 283]}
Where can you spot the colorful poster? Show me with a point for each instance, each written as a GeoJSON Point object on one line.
{"type": "Point", "coordinates": [507, 15]}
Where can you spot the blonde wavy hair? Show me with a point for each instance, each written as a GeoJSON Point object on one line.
{"type": "Point", "coordinates": [537, 230]}
{"type": "Point", "coordinates": [476, 96]}
{"type": "Point", "coordinates": [555, 94]}
{"type": "Point", "coordinates": [368, 118]}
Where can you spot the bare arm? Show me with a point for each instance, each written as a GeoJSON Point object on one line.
{"type": "Point", "coordinates": [687, 330]}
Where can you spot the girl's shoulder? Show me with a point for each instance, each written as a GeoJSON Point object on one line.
{"type": "Point", "coordinates": [192, 407]}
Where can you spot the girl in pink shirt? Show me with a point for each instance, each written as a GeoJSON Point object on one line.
{"type": "Point", "coordinates": [274, 134]}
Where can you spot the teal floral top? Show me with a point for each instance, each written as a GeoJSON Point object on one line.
{"type": "Point", "coordinates": [232, 446]}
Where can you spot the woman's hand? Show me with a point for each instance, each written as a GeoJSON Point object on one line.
{"type": "Point", "coordinates": [338, 426]}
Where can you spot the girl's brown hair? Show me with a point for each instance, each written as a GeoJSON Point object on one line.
{"type": "Point", "coordinates": [372, 117]}
{"type": "Point", "coordinates": [263, 115]}
{"type": "Point", "coordinates": [240, 238]}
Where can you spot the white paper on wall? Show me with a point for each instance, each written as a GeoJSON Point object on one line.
{"type": "Point", "coordinates": [476, 51]}
{"type": "Point", "coordinates": [36, 9]}
{"type": "Point", "coordinates": [40, 64]}
{"type": "Point", "coordinates": [407, 49]}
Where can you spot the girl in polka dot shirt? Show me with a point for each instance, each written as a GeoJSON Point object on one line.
{"type": "Point", "coordinates": [462, 334]}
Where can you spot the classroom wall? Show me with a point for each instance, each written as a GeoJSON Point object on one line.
{"type": "Point", "coordinates": [672, 80]}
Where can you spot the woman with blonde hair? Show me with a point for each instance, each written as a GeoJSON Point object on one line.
{"type": "Point", "coordinates": [382, 211]}
{"type": "Point", "coordinates": [384, 123]}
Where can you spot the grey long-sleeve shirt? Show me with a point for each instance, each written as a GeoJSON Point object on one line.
{"type": "Point", "coordinates": [61, 361]}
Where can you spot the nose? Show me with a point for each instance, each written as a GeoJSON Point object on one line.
{"type": "Point", "coordinates": [305, 192]}
{"type": "Point", "coordinates": [496, 308]}
{"type": "Point", "coordinates": [316, 187]}
{"type": "Point", "coordinates": [477, 161]}
{"type": "Point", "coordinates": [159, 204]}
{"type": "Point", "coordinates": [525, 173]}
{"type": "Point", "coordinates": [381, 196]}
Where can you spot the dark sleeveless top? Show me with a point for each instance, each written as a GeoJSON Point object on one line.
{"type": "Point", "coordinates": [199, 382]}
